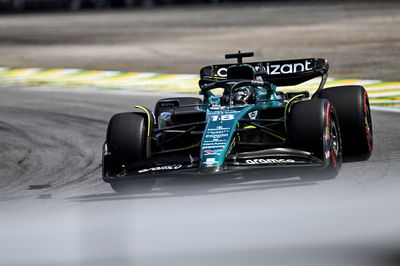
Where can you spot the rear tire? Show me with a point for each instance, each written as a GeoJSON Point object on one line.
{"type": "Point", "coordinates": [352, 106]}
{"type": "Point", "coordinates": [313, 126]}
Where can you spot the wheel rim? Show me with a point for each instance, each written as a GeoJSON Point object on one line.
{"type": "Point", "coordinates": [335, 141]}
{"type": "Point", "coordinates": [332, 141]}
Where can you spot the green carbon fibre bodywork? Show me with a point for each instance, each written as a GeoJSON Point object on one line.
{"type": "Point", "coordinates": [223, 121]}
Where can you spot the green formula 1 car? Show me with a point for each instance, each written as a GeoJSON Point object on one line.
{"type": "Point", "coordinates": [243, 123]}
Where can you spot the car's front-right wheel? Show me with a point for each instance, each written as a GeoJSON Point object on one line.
{"type": "Point", "coordinates": [313, 126]}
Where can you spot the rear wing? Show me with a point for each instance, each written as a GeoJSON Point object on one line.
{"type": "Point", "coordinates": [279, 73]}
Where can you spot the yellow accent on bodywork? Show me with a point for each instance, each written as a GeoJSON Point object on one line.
{"type": "Point", "coordinates": [273, 134]}
{"type": "Point", "coordinates": [213, 77]}
{"type": "Point", "coordinates": [148, 117]}
{"type": "Point", "coordinates": [266, 131]}
{"type": "Point", "coordinates": [286, 109]}
{"type": "Point", "coordinates": [230, 147]}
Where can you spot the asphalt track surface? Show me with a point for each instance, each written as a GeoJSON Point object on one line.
{"type": "Point", "coordinates": [55, 209]}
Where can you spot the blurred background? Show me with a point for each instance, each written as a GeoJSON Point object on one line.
{"type": "Point", "coordinates": [74, 5]}
{"type": "Point", "coordinates": [360, 39]}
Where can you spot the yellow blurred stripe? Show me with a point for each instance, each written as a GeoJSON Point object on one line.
{"type": "Point", "coordinates": [50, 71]}
{"type": "Point", "coordinates": [383, 85]}
{"type": "Point", "coordinates": [343, 82]}
{"type": "Point", "coordinates": [127, 75]}
{"type": "Point", "coordinates": [89, 73]}
{"type": "Point", "coordinates": [384, 99]}
{"type": "Point", "coordinates": [20, 72]}
{"type": "Point", "coordinates": [166, 77]}
{"type": "Point", "coordinates": [383, 91]}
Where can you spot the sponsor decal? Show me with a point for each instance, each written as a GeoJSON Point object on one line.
{"type": "Point", "coordinates": [211, 152]}
{"type": "Point", "coordinates": [269, 161]}
{"type": "Point", "coordinates": [212, 142]}
{"type": "Point", "coordinates": [222, 72]}
{"type": "Point", "coordinates": [276, 69]}
{"type": "Point", "coordinates": [225, 112]}
{"type": "Point", "coordinates": [161, 168]}
{"type": "Point", "coordinates": [290, 68]}
{"type": "Point", "coordinates": [164, 104]}
{"type": "Point", "coordinates": [210, 161]}
{"type": "Point", "coordinates": [253, 115]}
{"type": "Point", "coordinates": [215, 101]}
{"type": "Point", "coordinates": [216, 136]}
{"type": "Point", "coordinates": [213, 147]}
{"type": "Point", "coordinates": [218, 129]}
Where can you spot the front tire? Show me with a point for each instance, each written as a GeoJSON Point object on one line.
{"type": "Point", "coordinates": [313, 126]}
{"type": "Point", "coordinates": [125, 144]}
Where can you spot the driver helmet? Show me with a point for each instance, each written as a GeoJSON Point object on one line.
{"type": "Point", "coordinates": [243, 95]}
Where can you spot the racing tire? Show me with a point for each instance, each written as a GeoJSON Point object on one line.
{"type": "Point", "coordinates": [352, 106]}
{"type": "Point", "coordinates": [182, 101]}
{"type": "Point", "coordinates": [126, 143]}
{"type": "Point", "coordinates": [313, 126]}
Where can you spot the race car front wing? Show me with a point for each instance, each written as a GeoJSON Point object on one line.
{"type": "Point", "coordinates": [187, 165]}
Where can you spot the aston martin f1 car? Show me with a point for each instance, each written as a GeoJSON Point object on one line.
{"type": "Point", "coordinates": [242, 123]}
